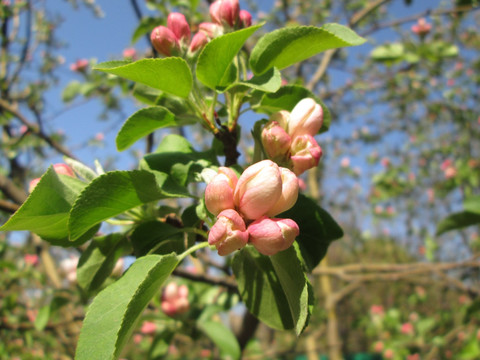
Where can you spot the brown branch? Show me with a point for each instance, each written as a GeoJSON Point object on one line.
{"type": "Point", "coordinates": [228, 283]}
{"type": "Point", "coordinates": [11, 190]}
{"type": "Point", "coordinates": [34, 129]}
{"type": "Point", "coordinates": [8, 206]}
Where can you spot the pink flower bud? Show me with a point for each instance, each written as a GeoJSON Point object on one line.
{"type": "Point", "coordinates": [422, 27]}
{"type": "Point", "coordinates": [407, 329]}
{"type": "Point", "coordinates": [129, 53]}
{"type": "Point", "coordinates": [289, 193]}
{"type": "Point", "coordinates": [63, 169]}
{"type": "Point", "coordinates": [245, 18]}
{"type": "Point", "coordinates": [210, 29]}
{"type": "Point", "coordinates": [225, 12]}
{"type": "Point", "coordinates": [305, 118]}
{"type": "Point", "coordinates": [258, 189]}
{"type": "Point", "coordinates": [219, 192]}
{"type": "Point", "coordinates": [282, 117]}
{"type": "Point", "coordinates": [179, 26]}
{"type": "Point", "coordinates": [31, 259]}
{"type": "Point", "coordinates": [228, 233]}
{"type": "Point", "coordinates": [198, 42]}
{"type": "Point", "coordinates": [33, 184]}
{"type": "Point", "coordinates": [164, 40]}
{"type": "Point", "coordinates": [276, 141]}
{"type": "Point", "coordinates": [175, 299]}
{"type": "Point", "coordinates": [148, 327]}
{"type": "Point", "coordinates": [269, 236]}
{"type": "Point", "coordinates": [80, 65]}
{"type": "Point", "coordinates": [305, 153]}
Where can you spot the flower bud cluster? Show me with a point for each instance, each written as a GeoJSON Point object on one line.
{"type": "Point", "coordinates": [422, 27]}
{"type": "Point", "coordinates": [175, 299]}
{"type": "Point", "coordinates": [227, 14]}
{"type": "Point", "coordinates": [245, 208]}
{"type": "Point", "coordinates": [288, 137]}
{"type": "Point", "coordinates": [175, 38]}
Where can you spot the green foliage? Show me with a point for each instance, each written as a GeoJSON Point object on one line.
{"type": "Point", "coordinates": [171, 75]}
{"type": "Point", "coordinates": [274, 288]}
{"type": "Point", "coordinates": [215, 61]}
{"type": "Point", "coordinates": [107, 328]}
{"type": "Point", "coordinates": [222, 337]}
{"type": "Point", "coordinates": [287, 46]}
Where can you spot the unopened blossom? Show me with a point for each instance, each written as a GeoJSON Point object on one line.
{"type": "Point", "coordinates": [269, 236]}
{"type": "Point", "coordinates": [219, 192]}
{"type": "Point", "coordinates": [164, 40]}
{"type": "Point", "coordinates": [258, 189]}
{"type": "Point", "coordinates": [178, 24]}
{"type": "Point", "coordinates": [422, 27]}
{"type": "Point", "coordinates": [378, 347]}
{"type": "Point", "coordinates": [276, 141]}
{"type": "Point", "coordinates": [31, 259]}
{"type": "Point", "coordinates": [305, 118]}
{"type": "Point", "coordinates": [198, 42]}
{"type": "Point", "coordinates": [407, 328]}
{"type": "Point", "coordinates": [289, 195]}
{"type": "Point", "coordinates": [450, 172]}
{"type": "Point", "coordinates": [225, 12]}
{"type": "Point", "coordinates": [129, 53]}
{"type": "Point", "coordinates": [175, 299]}
{"type": "Point", "coordinates": [69, 268]}
{"type": "Point", "coordinates": [80, 65]}
{"type": "Point", "coordinates": [229, 232]}
{"type": "Point", "coordinates": [148, 327]}
{"type": "Point", "coordinates": [245, 18]}
{"type": "Point", "coordinates": [305, 153]}
{"type": "Point", "coordinates": [212, 30]}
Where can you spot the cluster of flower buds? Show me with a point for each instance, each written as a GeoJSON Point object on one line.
{"type": "Point", "coordinates": [227, 14]}
{"type": "Point", "coordinates": [175, 299]}
{"type": "Point", "coordinates": [80, 65]}
{"type": "Point", "coordinates": [59, 169]}
{"type": "Point", "coordinates": [422, 27]}
{"type": "Point", "coordinates": [288, 138]}
{"type": "Point", "coordinates": [174, 39]}
{"type": "Point", "coordinates": [245, 208]}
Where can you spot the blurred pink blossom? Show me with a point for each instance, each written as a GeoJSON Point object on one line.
{"type": "Point", "coordinates": [148, 327]}
{"type": "Point", "coordinates": [407, 329]}
{"type": "Point", "coordinates": [130, 53]}
{"type": "Point", "coordinates": [422, 27]}
{"type": "Point", "coordinates": [31, 259]}
{"type": "Point", "coordinates": [80, 65]}
{"type": "Point", "coordinates": [376, 310]}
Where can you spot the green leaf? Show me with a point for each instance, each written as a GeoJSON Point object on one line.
{"type": "Point", "coordinates": [286, 98]}
{"type": "Point", "coordinates": [47, 311]}
{"type": "Point", "coordinates": [171, 75]}
{"type": "Point", "coordinates": [270, 81]}
{"type": "Point", "coordinates": [46, 210]}
{"type": "Point", "coordinates": [115, 192]}
{"type": "Point", "coordinates": [458, 221]}
{"type": "Point", "coordinates": [176, 156]}
{"type": "Point", "coordinates": [214, 62]}
{"type": "Point", "coordinates": [222, 337]}
{"type": "Point", "coordinates": [274, 288]}
{"type": "Point", "coordinates": [71, 91]}
{"type": "Point", "coordinates": [142, 123]}
{"type": "Point", "coordinates": [388, 52]}
{"type": "Point", "coordinates": [317, 230]}
{"type": "Point", "coordinates": [99, 259]}
{"type": "Point", "coordinates": [472, 204]}
{"type": "Point", "coordinates": [287, 46]}
{"type": "Point", "coordinates": [114, 312]}
{"type": "Point", "coordinates": [164, 237]}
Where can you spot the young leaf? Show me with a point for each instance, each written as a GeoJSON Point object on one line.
{"type": "Point", "coordinates": [287, 46]}
{"type": "Point", "coordinates": [114, 312]}
{"type": "Point", "coordinates": [472, 204]}
{"type": "Point", "coordinates": [45, 212]}
{"type": "Point", "coordinates": [286, 98]}
{"type": "Point", "coordinates": [269, 82]}
{"type": "Point", "coordinates": [222, 337]}
{"type": "Point", "coordinates": [177, 157]}
{"type": "Point", "coordinates": [99, 259]}
{"type": "Point", "coordinates": [80, 169]}
{"type": "Point", "coordinates": [214, 61]}
{"type": "Point", "coordinates": [458, 221]}
{"type": "Point", "coordinates": [142, 123]}
{"type": "Point", "coordinates": [274, 288]}
{"type": "Point", "coordinates": [164, 237]}
{"type": "Point", "coordinates": [115, 192]}
{"type": "Point", "coordinates": [317, 230]}
{"type": "Point", "coordinates": [171, 75]}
